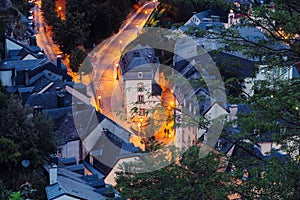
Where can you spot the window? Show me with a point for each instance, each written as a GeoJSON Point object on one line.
{"type": "Point", "coordinates": [142, 111]}
{"type": "Point", "coordinates": [140, 87]}
{"type": "Point", "coordinates": [140, 98]}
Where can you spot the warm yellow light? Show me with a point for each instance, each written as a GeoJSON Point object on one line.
{"type": "Point", "coordinates": [99, 97]}
{"type": "Point", "coordinates": [171, 103]}
{"type": "Point", "coordinates": [59, 8]}
{"type": "Point", "coordinates": [120, 41]}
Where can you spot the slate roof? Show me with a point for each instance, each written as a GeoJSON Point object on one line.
{"type": "Point", "coordinates": [75, 185]}
{"type": "Point", "coordinates": [156, 89]}
{"type": "Point", "coordinates": [112, 147]}
{"type": "Point", "coordinates": [64, 121]}
{"type": "Point", "coordinates": [235, 66]}
{"type": "Point", "coordinates": [54, 191]}
{"type": "Point", "coordinates": [32, 50]}
{"type": "Point", "coordinates": [203, 14]}
{"type": "Point", "coordinates": [138, 58]}
{"type": "Point", "coordinates": [48, 100]}
{"type": "Point", "coordinates": [20, 65]}
{"type": "Point", "coordinates": [204, 26]}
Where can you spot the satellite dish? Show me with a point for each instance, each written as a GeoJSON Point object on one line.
{"type": "Point", "coordinates": [25, 163]}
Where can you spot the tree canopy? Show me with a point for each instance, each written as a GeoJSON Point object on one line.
{"type": "Point", "coordinates": [23, 138]}
{"type": "Point", "coordinates": [272, 115]}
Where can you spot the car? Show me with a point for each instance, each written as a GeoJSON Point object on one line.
{"type": "Point", "coordinates": [31, 3]}
{"type": "Point", "coordinates": [30, 17]}
{"type": "Point", "coordinates": [30, 12]}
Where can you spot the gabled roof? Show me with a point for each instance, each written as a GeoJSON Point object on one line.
{"type": "Point", "coordinates": [74, 185]}
{"type": "Point", "coordinates": [235, 66]}
{"type": "Point", "coordinates": [54, 191]}
{"type": "Point", "coordinates": [203, 14]}
{"type": "Point", "coordinates": [138, 57]}
{"type": "Point", "coordinates": [48, 100]}
{"type": "Point", "coordinates": [21, 65]}
{"type": "Point", "coordinates": [156, 89]}
{"type": "Point", "coordinates": [25, 49]}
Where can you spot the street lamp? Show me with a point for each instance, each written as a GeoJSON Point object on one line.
{"type": "Point", "coordinates": [137, 30]}
{"type": "Point", "coordinates": [59, 10]}
{"type": "Point", "coordinates": [117, 69]}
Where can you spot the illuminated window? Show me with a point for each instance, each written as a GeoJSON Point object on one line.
{"type": "Point", "coordinates": [140, 87]}
{"type": "Point", "coordinates": [140, 98]}
{"type": "Point", "coordinates": [142, 111]}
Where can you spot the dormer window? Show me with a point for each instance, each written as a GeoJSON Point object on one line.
{"type": "Point", "coordinates": [140, 75]}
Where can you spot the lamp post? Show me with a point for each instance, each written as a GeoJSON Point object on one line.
{"type": "Point", "coordinates": [117, 71]}
{"type": "Point", "coordinates": [137, 30]}
{"type": "Point", "coordinates": [59, 11]}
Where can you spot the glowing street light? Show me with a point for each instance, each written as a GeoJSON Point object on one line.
{"type": "Point", "coordinates": [117, 71]}
{"type": "Point", "coordinates": [59, 11]}
{"type": "Point", "coordinates": [137, 30]}
{"type": "Point", "coordinates": [172, 103]}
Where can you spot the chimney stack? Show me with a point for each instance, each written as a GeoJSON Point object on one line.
{"type": "Point", "coordinates": [53, 174]}
{"type": "Point", "coordinates": [60, 97]}
{"type": "Point", "coordinates": [37, 110]}
{"type": "Point", "coordinates": [58, 58]}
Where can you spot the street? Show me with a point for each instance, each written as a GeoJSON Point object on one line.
{"type": "Point", "coordinates": [43, 34]}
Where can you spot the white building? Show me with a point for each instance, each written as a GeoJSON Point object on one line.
{"type": "Point", "coordinates": [139, 78]}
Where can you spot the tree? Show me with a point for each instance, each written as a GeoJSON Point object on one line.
{"type": "Point", "coordinates": [23, 138]}
{"type": "Point", "coordinates": [193, 177]}
{"type": "Point", "coordinates": [77, 58]}
{"type": "Point", "coordinates": [273, 111]}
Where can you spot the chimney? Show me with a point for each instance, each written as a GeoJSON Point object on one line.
{"type": "Point", "coordinates": [58, 58]}
{"type": "Point", "coordinates": [53, 174]}
{"type": "Point", "coordinates": [26, 77]}
{"type": "Point", "coordinates": [37, 110]}
{"type": "Point", "coordinates": [233, 110]}
{"type": "Point", "coordinates": [32, 41]}
{"type": "Point", "coordinates": [60, 97]}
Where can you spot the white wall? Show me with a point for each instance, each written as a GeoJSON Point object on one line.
{"type": "Point", "coordinates": [29, 57]}
{"type": "Point", "coordinates": [215, 111]}
{"type": "Point", "coordinates": [110, 178]}
{"type": "Point", "coordinates": [5, 77]}
{"type": "Point", "coordinates": [11, 46]}
{"type": "Point", "coordinates": [71, 149]}
{"type": "Point", "coordinates": [131, 96]}
{"type": "Point", "coordinates": [65, 197]}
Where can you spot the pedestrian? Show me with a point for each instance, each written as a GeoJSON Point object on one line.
{"type": "Point", "coordinates": [165, 131]}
